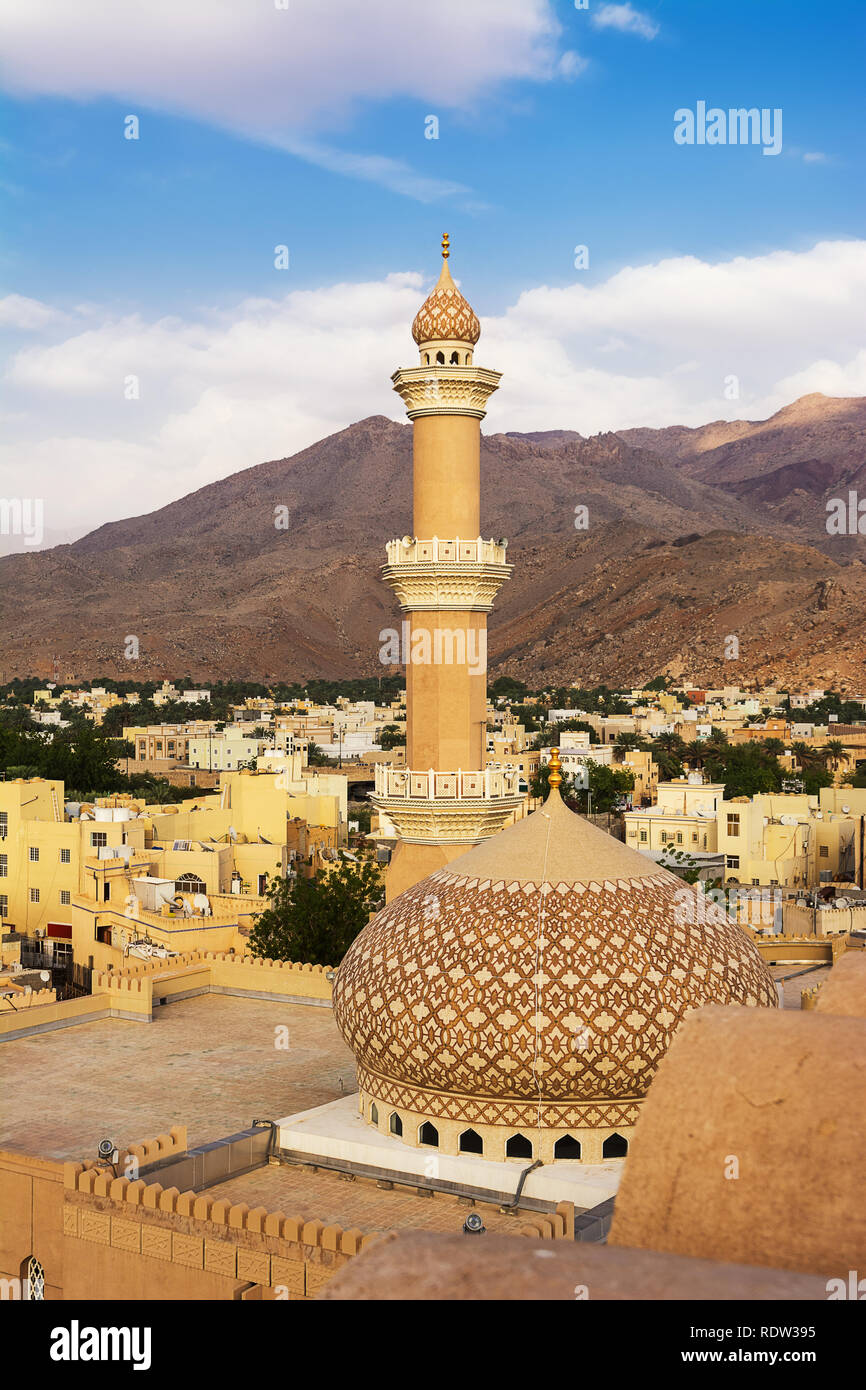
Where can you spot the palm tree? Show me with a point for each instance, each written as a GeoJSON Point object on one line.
{"type": "Point", "coordinates": [833, 752]}
{"type": "Point", "coordinates": [806, 756]}
{"type": "Point", "coordinates": [774, 746]}
{"type": "Point", "coordinates": [628, 741]}
{"type": "Point", "coordinates": [669, 743]}
{"type": "Point", "coordinates": [695, 754]}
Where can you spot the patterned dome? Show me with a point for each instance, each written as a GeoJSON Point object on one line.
{"type": "Point", "coordinates": [549, 965]}
{"type": "Point", "coordinates": [445, 314]}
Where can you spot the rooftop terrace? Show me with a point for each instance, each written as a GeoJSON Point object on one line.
{"type": "Point", "coordinates": [209, 1062]}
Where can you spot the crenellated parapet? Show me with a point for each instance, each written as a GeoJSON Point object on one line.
{"type": "Point", "coordinates": [446, 575]}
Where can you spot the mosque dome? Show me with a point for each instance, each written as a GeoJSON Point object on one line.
{"type": "Point", "coordinates": [537, 980]}
{"type": "Point", "coordinates": [445, 316]}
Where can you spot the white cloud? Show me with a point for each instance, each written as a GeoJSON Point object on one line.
{"type": "Point", "coordinates": [280, 75]}
{"type": "Point", "coordinates": [651, 345]}
{"type": "Point", "coordinates": [626, 19]}
{"type": "Point", "coordinates": [18, 312]}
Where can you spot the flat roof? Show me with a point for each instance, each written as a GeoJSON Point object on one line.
{"type": "Point", "coordinates": [209, 1062]}
{"type": "Point", "coordinates": [325, 1196]}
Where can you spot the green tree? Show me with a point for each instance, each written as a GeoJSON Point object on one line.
{"type": "Point", "coordinates": [316, 758]}
{"type": "Point", "coordinates": [507, 686]}
{"type": "Point", "coordinates": [539, 783]}
{"type": "Point", "coordinates": [315, 920]}
{"type": "Point", "coordinates": [392, 736]}
{"type": "Point", "coordinates": [834, 752]}
{"type": "Point", "coordinates": [607, 787]}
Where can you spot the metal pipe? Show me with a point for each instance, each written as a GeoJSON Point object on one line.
{"type": "Point", "coordinates": [509, 1206]}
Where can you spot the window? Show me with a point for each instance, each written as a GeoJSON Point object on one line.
{"type": "Point", "coordinates": [4, 866]}
{"type": "Point", "coordinates": [732, 861]}
{"type": "Point", "coordinates": [679, 837]}
{"type": "Point", "coordinates": [643, 837]}
{"type": "Point", "coordinates": [824, 851]}
{"type": "Point", "coordinates": [566, 1147]}
{"type": "Point", "coordinates": [66, 856]}
{"type": "Point", "coordinates": [374, 1115]}
{"type": "Point", "coordinates": [428, 1134]}
{"type": "Point", "coordinates": [65, 897]}
{"type": "Point", "coordinates": [4, 824]}
{"type": "Point", "coordinates": [733, 822]}
{"type": "Point", "coordinates": [33, 1281]}
{"type": "Point", "coordinates": [614, 1147]}
{"type": "Point", "coordinates": [106, 892]}
{"type": "Point", "coordinates": [4, 905]}
{"type": "Point", "coordinates": [34, 895]}
{"type": "Point", "coordinates": [395, 1124]}
{"type": "Point", "coordinates": [189, 883]}
{"type": "Point", "coordinates": [98, 839]}
{"type": "Point", "coordinates": [470, 1142]}
{"type": "Point", "coordinates": [518, 1146]}
{"type": "Point", "coordinates": [34, 854]}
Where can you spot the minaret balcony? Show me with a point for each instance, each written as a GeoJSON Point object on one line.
{"type": "Point", "coordinates": [441, 575]}
{"type": "Point", "coordinates": [436, 807]}
{"type": "Point", "coordinates": [446, 390]}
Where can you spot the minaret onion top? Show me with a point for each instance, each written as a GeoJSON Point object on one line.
{"type": "Point", "coordinates": [445, 316]}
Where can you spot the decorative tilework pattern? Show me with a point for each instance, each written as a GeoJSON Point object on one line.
{"type": "Point", "coordinates": [446, 315]}
{"type": "Point", "coordinates": [514, 991]}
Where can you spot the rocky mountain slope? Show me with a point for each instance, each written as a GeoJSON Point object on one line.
{"type": "Point", "coordinates": [692, 537]}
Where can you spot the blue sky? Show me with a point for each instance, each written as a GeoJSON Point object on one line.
{"type": "Point", "coordinates": [190, 213]}
{"type": "Point", "coordinates": [555, 129]}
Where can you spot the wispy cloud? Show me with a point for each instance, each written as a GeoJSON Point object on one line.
{"type": "Point", "coordinates": [626, 19]}
{"type": "Point", "coordinates": [289, 77]}
{"type": "Point", "coordinates": [393, 174]}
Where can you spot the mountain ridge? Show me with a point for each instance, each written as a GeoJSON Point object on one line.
{"type": "Point", "coordinates": [693, 536]}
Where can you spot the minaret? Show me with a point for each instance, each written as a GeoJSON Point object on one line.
{"type": "Point", "coordinates": [446, 578]}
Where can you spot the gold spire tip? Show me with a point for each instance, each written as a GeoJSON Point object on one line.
{"type": "Point", "coordinates": [446, 246]}
{"type": "Point", "coordinates": [555, 770]}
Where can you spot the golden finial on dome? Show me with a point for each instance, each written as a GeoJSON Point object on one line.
{"type": "Point", "coordinates": [555, 770]}
{"type": "Point", "coordinates": [446, 246]}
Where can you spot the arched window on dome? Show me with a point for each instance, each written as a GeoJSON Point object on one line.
{"type": "Point", "coordinates": [518, 1146]}
{"type": "Point", "coordinates": [395, 1124]}
{"type": "Point", "coordinates": [455, 359]}
{"type": "Point", "coordinates": [428, 1134]}
{"type": "Point", "coordinates": [374, 1114]}
{"type": "Point", "coordinates": [566, 1147]}
{"type": "Point", "coordinates": [440, 358]}
{"type": "Point", "coordinates": [615, 1147]}
{"type": "Point", "coordinates": [470, 1142]}
{"type": "Point", "coordinates": [427, 358]}
{"type": "Point", "coordinates": [466, 359]}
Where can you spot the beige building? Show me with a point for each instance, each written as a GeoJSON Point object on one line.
{"type": "Point", "coordinates": [684, 818]}
{"type": "Point", "coordinates": [785, 840]}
